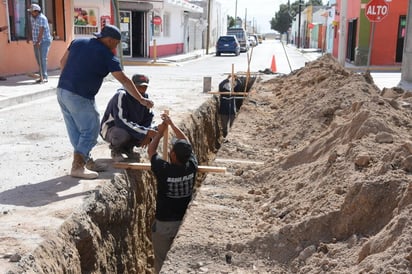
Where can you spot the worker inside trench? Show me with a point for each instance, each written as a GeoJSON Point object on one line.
{"type": "Point", "coordinates": [229, 105]}
{"type": "Point", "coordinates": [139, 187]}
{"type": "Point", "coordinates": [230, 101]}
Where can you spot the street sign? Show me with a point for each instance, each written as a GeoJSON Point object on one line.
{"type": "Point", "coordinates": [376, 10]}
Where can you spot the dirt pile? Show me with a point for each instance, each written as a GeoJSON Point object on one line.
{"type": "Point", "coordinates": [319, 181]}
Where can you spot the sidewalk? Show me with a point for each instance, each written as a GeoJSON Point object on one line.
{"type": "Point", "coordinates": [20, 89]}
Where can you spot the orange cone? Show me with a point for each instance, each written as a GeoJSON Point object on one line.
{"type": "Point", "coordinates": [273, 65]}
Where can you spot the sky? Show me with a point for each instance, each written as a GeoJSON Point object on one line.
{"type": "Point", "coordinates": [258, 11]}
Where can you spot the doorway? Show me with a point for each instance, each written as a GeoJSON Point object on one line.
{"type": "Point", "coordinates": [351, 43]}
{"type": "Point", "coordinates": [400, 38]}
{"type": "Point", "coordinates": [138, 34]}
{"type": "Point", "coordinates": [132, 26]}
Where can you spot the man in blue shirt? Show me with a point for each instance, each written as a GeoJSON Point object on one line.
{"type": "Point", "coordinates": [41, 37]}
{"type": "Point", "coordinates": [84, 66]}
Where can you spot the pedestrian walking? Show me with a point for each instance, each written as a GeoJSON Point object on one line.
{"type": "Point", "coordinates": [84, 65]}
{"type": "Point", "coordinates": [42, 38]}
{"type": "Point", "coordinates": [175, 182]}
{"type": "Point", "coordinates": [126, 123]}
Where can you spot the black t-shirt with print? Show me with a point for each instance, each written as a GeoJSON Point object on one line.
{"type": "Point", "coordinates": [174, 187]}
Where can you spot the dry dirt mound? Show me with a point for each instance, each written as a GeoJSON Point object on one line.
{"type": "Point", "coordinates": [334, 194]}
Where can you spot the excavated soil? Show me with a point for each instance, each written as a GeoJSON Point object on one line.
{"type": "Point", "coordinates": [319, 181]}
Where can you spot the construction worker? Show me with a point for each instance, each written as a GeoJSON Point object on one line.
{"type": "Point", "coordinates": [175, 181]}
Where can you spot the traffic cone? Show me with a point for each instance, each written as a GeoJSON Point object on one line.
{"type": "Point", "coordinates": [273, 65]}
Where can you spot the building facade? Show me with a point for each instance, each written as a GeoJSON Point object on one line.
{"type": "Point", "coordinates": [150, 28]}
{"type": "Point", "coordinates": [17, 55]}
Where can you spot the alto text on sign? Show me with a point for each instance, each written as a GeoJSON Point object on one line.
{"type": "Point", "coordinates": [376, 10]}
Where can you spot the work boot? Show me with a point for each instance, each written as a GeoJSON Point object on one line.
{"type": "Point", "coordinates": [116, 155]}
{"type": "Point", "coordinates": [131, 155]}
{"type": "Point", "coordinates": [94, 166]}
{"type": "Point", "coordinates": [79, 169]}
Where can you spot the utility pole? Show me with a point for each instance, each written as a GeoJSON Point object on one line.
{"type": "Point", "coordinates": [208, 27]}
{"type": "Point", "coordinates": [236, 11]}
{"type": "Point", "coordinates": [299, 18]}
{"type": "Point", "coordinates": [342, 32]}
{"type": "Point", "coordinates": [406, 70]}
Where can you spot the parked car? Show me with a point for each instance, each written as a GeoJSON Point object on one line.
{"type": "Point", "coordinates": [241, 36]}
{"type": "Point", "coordinates": [227, 44]}
{"type": "Point", "coordinates": [254, 39]}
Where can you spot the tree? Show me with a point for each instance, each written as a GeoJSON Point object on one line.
{"type": "Point", "coordinates": [230, 21]}
{"type": "Point", "coordinates": [283, 18]}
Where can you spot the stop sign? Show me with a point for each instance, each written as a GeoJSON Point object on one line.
{"type": "Point", "coordinates": [376, 10]}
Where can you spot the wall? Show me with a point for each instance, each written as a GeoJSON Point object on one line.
{"type": "Point", "coordinates": [19, 57]}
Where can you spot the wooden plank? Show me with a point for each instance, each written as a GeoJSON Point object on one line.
{"type": "Point", "coordinates": [146, 166]}
{"type": "Point", "coordinates": [229, 93]}
{"type": "Point", "coordinates": [166, 138]}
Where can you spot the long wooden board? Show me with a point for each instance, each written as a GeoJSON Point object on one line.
{"type": "Point", "coordinates": [146, 166]}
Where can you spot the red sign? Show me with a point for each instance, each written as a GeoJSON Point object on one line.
{"type": "Point", "coordinates": [376, 10]}
{"type": "Point", "coordinates": [157, 20]}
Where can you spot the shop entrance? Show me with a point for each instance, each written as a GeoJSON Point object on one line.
{"type": "Point", "coordinates": [132, 26]}
{"type": "Point", "coordinates": [138, 34]}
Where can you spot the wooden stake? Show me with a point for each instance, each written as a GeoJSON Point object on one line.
{"type": "Point", "coordinates": [165, 139]}
{"type": "Point", "coordinates": [147, 166]}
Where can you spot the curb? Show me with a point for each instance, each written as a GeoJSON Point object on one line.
{"type": "Point", "coordinates": [12, 101]}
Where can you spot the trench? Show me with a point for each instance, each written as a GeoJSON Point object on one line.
{"type": "Point", "coordinates": [112, 231]}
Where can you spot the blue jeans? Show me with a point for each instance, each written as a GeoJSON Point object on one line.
{"type": "Point", "coordinates": [82, 120]}
{"type": "Point", "coordinates": [41, 53]}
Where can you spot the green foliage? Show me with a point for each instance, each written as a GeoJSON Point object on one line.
{"type": "Point", "coordinates": [230, 21]}
{"type": "Point", "coordinates": [283, 18]}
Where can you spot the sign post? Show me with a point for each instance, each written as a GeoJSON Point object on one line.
{"type": "Point", "coordinates": [375, 11]}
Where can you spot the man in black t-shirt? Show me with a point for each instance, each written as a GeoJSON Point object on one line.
{"type": "Point", "coordinates": [175, 182]}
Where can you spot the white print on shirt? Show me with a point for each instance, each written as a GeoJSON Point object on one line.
{"type": "Point", "coordinates": [180, 187]}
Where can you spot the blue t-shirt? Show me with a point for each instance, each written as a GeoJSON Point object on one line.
{"type": "Point", "coordinates": [89, 61]}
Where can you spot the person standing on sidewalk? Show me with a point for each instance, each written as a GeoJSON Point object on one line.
{"type": "Point", "coordinates": [126, 123]}
{"type": "Point", "coordinates": [2, 78]}
{"type": "Point", "coordinates": [84, 65]}
{"type": "Point", "coordinates": [42, 38]}
{"type": "Point", "coordinates": [175, 182]}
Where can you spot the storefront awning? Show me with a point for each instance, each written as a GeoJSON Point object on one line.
{"type": "Point", "coordinates": [185, 5]}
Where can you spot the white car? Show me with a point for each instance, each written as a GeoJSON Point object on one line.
{"type": "Point", "coordinates": [252, 41]}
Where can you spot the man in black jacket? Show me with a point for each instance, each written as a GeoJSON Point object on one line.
{"type": "Point", "coordinates": [127, 123]}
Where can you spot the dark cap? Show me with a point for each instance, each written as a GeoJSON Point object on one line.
{"type": "Point", "coordinates": [183, 150]}
{"type": "Point", "coordinates": [140, 80]}
{"type": "Point", "coordinates": [109, 31]}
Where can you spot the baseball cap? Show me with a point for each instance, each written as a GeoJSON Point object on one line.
{"type": "Point", "coordinates": [183, 150]}
{"type": "Point", "coordinates": [109, 31]}
{"type": "Point", "coordinates": [140, 80]}
{"type": "Point", "coordinates": [34, 7]}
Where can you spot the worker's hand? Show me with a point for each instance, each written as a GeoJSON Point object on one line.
{"type": "Point", "coordinates": [166, 119]}
{"type": "Point", "coordinates": [149, 136]}
{"type": "Point", "coordinates": [147, 103]}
